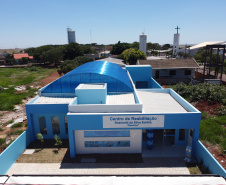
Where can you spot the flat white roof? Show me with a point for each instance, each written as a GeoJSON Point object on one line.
{"type": "Point", "coordinates": [155, 102]}
{"type": "Point", "coordinates": [53, 100]}
{"type": "Point", "coordinates": [208, 43]}
{"type": "Point", "coordinates": [92, 86]}
{"type": "Point", "coordinates": [120, 99]}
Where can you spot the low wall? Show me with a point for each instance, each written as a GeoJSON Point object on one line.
{"type": "Point", "coordinates": [208, 160]}
{"type": "Point", "coordinates": [13, 151]}
{"type": "Point", "coordinates": [172, 81]}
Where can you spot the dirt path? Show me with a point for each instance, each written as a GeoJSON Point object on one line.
{"type": "Point", "coordinates": [55, 75]}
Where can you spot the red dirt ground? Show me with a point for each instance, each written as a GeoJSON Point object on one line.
{"type": "Point", "coordinates": [205, 106]}
{"type": "Point", "coordinates": [55, 75]}
{"type": "Point", "coordinates": [215, 151]}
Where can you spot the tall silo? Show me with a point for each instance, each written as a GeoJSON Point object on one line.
{"type": "Point", "coordinates": [71, 35]}
{"type": "Point", "coordinates": [143, 43]}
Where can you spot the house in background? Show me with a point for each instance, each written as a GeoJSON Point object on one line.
{"type": "Point", "coordinates": [2, 60]}
{"type": "Point", "coordinates": [172, 71]}
{"type": "Point", "coordinates": [18, 57]}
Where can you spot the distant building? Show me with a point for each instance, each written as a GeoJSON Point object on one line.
{"type": "Point", "coordinates": [18, 57]}
{"type": "Point", "coordinates": [195, 48]}
{"type": "Point", "coordinates": [172, 71]}
{"type": "Point", "coordinates": [105, 53]}
{"type": "Point", "coordinates": [2, 60]}
{"type": "Point", "coordinates": [143, 43]}
{"type": "Point", "coordinates": [71, 35]}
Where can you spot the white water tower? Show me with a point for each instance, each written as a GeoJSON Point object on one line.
{"type": "Point", "coordinates": [143, 43]}
{"type": "Point", "coordinates": [71, 35]}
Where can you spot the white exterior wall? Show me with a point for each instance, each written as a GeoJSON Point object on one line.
{"type": "Point", "coordinates": [176, 40]}
{"type": "Point", "coordinates": [143, 43]}
{"type": "Point", "coordinates": [135, 143]}
{"type": "Point", "coordinates": [180, 73]}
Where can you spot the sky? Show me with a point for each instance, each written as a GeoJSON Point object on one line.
{"type": "Point", "coordinates": [32, 23]}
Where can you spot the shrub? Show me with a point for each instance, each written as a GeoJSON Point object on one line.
{"type": "Point", "coordinates": [17, 125]}
{"type": "Point", "coordinates": [40, 138]}
{"type": "Point", "coordinates": [203, 91]}
{"type": "Point", "coordinates": [221, 110]}
{"type": "Point", "coordinates": [58, 141]}
{"type": "Point", "coordinates": [15, 132]}
{"type": "Point", "coordinates": [2, 141]}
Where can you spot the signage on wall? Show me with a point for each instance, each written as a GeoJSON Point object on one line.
{"type": "Point", "coordinates": [133, 121]}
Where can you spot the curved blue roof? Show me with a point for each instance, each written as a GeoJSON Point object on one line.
{"type": "Point", "coordinates": [92, 72]}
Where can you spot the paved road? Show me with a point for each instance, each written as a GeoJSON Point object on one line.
{"type": "Point", "coordinates": [156, 165]}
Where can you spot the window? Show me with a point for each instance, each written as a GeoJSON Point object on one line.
{"type": "Point", "coordinates": [107, 133]}
{"type": "Point", "coordinates": [181, 134]}
{"type": "Point", "coordinates": [42, 125]}
{"type": "Point", "coordinates": [66, 125]}
{"type": "Point", "coordinates": [187, 72]}
{"type": "Point", "coordinates": [55, 125]}
{"type": "Point", "coordinates": [172, 72]}
{"type": "Point", "coordinates": [107, 144]}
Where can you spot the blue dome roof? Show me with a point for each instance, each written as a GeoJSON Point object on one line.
{"type": "Point", "coordinates": [92, 72]}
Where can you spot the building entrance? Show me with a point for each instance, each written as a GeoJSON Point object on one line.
{"type": "Point", "coordinates": [163, 144]}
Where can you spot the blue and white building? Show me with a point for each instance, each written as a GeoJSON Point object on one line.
{"type": "Point", "coordinates": [104, 108]}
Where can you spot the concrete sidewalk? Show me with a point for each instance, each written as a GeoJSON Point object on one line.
{"type": "Point", "coordinates": [150, 166]}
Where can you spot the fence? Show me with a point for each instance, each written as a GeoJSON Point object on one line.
{"type": "Point", "coordinates": [208, 160]}
{"type": "Point", "coordinates": [13, 151]}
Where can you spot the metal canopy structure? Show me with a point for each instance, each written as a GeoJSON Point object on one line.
{"type": "Point", "coordinates": [215, 63]}
{"type": "Point", "coordinates": [92, 72]}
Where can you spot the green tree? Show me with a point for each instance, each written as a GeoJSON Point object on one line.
{"type": "Point", "coordinates": [72, 50]}
{"type": "Point", "coordinates": [165, 46]}
{"type": "Point", "coordinates": [118, 48]}
{"type": "Point", "coordinates": [54, 55]}
{"type": "Point", "coordinates": [156, 53]}
{"type": "Point", "coordinates": [30, 51]}
{"type": "Point", "coordinates": [24, 60]}
{"type": "Point", "coordinates": [180, 54]}
{"type": "Point", "coordinates": [10, 59]}
{"type": "Point", "coordinates": [132, 55]}
{"type": "Point", "coordinates": [40, 138]}
{"type": "Point", "coordinates": [135, 45]}
{"type": "Point", "coordinates": [86, 49]}
{"type": "Point", "coordinates": [69, 65]}
{"type": "Point", "coordinates": [39, 50]}
{"type": "Point", "coordinates": [58, 141]}
{"type": "Point", "coordinates": [156, 46]}
{"type": "Point", "coordinates": [149, 46]}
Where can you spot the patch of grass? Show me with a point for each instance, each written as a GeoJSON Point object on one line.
{"type": "Point", "coordinates": [1, 129]}
{"type": "Point", "coordinates": [8, 122]}
{"type": "Point", "coordinates": [15, 132]}
{"type": "Point", "coordinates": [211, 130]}
{"type": "Point", "coordinates": [11, 77]}
{"type": "Point", "coordinates": [1, 115]}
{"type": "Point", "coordinates": [204, 115]}
{"type": "Point", "coordinates": [194, 170]}
{"type": "Point", "coordinates": [4, 146]}
{"type": "Point", "coordinates": [17, 125]}
{"type": "Point", "coordinates": [2, 141]}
